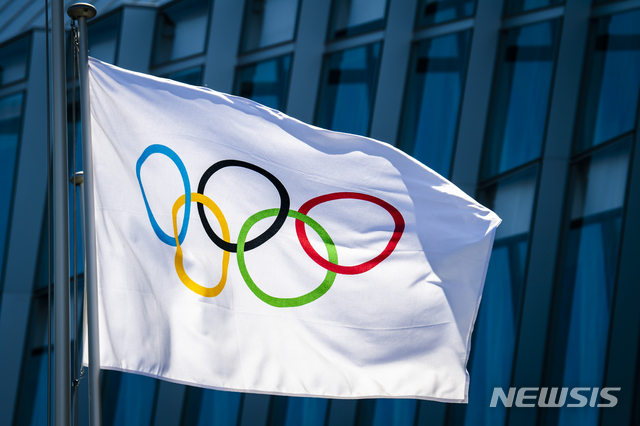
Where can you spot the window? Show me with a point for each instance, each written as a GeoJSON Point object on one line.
{"type": "Point", "coordinates": [522, 86]}
{"type": "Point", "coordinates": [210, 407]}
{"type": "Point", "coordinates": [13, 61]}
{"type": "Point", "coordinates": [494, 338]}
{"type": "Point", "coordinates": [513, 7]}
{"type": "Point", "coordinates": [10, 126]}
{"type": "Point", "coordinates": [128, 399]}
{"type": "Point", "coordinates": [181, 31]}
{"type": "Point", "coordinates": [347, 89]}
{"type": "Point", "coordinates": [586, 278]}
{"type": "Point", "coordinates": [265, 82]}
{"type": "Point", "coordinates": [394, 412]}
{"type": "Point", "coordinates": [103, 38]}
{"type": "Point", "coordinates": [611, 83]}
{"type": "Point", "coordinates": [432, 100]}
{"type": "Point", "coordinates": [32, 397]}
{"type": "Point", "coordinates": [192, 76]}
{"type": "Point", "coordinates": [31, 408]}
{"type": "Point", "coordinates": [268, 22]}
{"type": "Point", "coordinates": [351, 17]}
{"type": "Point", "coordinates": [306, 412]}
{"type": "Point", "coordinates": [431, 12]}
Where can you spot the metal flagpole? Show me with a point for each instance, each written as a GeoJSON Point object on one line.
{"type": "Point", "coordinates": [62, 360]}
{"type": "Point", "coordinates": [83, 12]}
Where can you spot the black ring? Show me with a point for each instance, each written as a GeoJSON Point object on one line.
{"type": "Point", "coordinates": [260, 239]}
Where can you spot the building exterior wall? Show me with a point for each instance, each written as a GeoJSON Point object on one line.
{"type": "Point", "coordinates": [530, 106]}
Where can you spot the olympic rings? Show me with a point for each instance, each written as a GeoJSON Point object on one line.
{"type": "Point", "coordinates": [287, 302]}
{"type": "Point", "coordinates": [301, 217]}
{"type": "Point", "coordinates": [363, 267]}
{"type": "Point", "coordinates": [161, 149]}
{"type": "Point", "coordinates": [192, 285]}
{"type": "Point", "coordinates": [270, 232]}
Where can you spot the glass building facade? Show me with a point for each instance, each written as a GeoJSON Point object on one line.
{"type": "Point", "coordinates": [530, 106]}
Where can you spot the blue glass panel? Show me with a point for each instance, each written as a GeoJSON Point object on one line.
{"type": "Point", "coordinates": [347, 89]}
{"type": "Point", "coordinates": [135, 400]}
{"type": "Point", "coordinates": [219, 408]}
{"type": "Point", "coordinates": [351, 17]}
{"type": "Point", "coordinates": [513, 7]}
{"type": "Point", "coordinates": [612, 80]}
{"type": "Point", "coordinates": [496, 326]}
{"type": "Point", "coordinates": [432, 100]}
{"type": "Point", "coordinates": [31, 406]}
{"type": "Point", "coordinates": [39, 416]}
{"type": "Point", "coordinates": [13, 61]}
{"type": "Point", "coordinates": [103, 38]}
{"type": "Point", "coordinates": [192, 76]}
{"type": "Point", "coordinates": [10, 124]}
{"type": "Point", "coordinates": [518, 114]}
{"type": "Point", "coordinates": [265, 82]}
{"type": "Point", "coordinates": [584, 290]}
{"type": "Point", "coordinates": [181, 31]}
{"type": "Point", "coordinates": [432, 12]}
{"type": "Point", "coordinates": [268, 22]}
{"type": "Point", "coordinates": [394, 412]}
{"type": "Point", "coordinates": [306, 412]}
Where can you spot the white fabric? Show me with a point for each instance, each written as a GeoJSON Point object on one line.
{"type": "Point", "coordinates": [401, 329]}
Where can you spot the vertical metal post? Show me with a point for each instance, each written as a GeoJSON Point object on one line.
{"type": "Point", "coordinates": [76, 180]}
{"type": "Point", "coordinates": [62, 359]}
{"type": "Point", "coordinates": [83, 12]}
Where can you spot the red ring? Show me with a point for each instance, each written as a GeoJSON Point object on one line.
{"type": "Point", "coordinates": [356, 269]}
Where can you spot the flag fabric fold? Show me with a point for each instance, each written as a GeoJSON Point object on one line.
{"type": "Point", "coordinates": [241, 249]}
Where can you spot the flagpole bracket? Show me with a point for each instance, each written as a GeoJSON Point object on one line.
{"type": "Point", "coordinates": [81, 10]}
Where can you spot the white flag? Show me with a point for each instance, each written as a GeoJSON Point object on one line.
{"type": "Point", "coordinates": [241, 249]}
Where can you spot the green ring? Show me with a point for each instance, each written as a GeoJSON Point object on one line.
{"type": "Point", "coordinates": [287, 302]}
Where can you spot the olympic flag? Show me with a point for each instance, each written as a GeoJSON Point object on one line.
{"type": "Point", "coordinates": [241, 249]}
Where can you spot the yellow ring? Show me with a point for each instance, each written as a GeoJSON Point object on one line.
{"type": "Point", "coordinates": [192, 285]}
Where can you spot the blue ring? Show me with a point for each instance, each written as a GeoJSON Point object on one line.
{"type": "Point", "coordinates": [161, 149]}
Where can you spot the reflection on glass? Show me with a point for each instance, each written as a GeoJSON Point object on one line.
{"type": "Point", "coordinates": [10, 120]}
{"type": "Point", "coordinates": [394, 412]}
{"type": "Point", "coordinates": [432, 12]}
{"type": "Point", "coordinates": [496, 327]}
{"type": "Point", "coordinates": [518, 115]}
{"type": "Point", "coordinates": [103, 38]}
{"type": "Point", "coordinates": [31, 406]}
{"type": "Point", "coordinates": [265, 82]}
{"type": "Point", "coordinates": [217, 408]}
{"type": "Point", "coordinates": [350, 17]}
{"type": "Point", "coordinates": [268, 22]}
{"type": "Point", "coordinates": [306, 412]}
{"type": "Point", "coordinates": [432, 100]}
{"type": "Point", "coordinates": [128, 399]}
{"type": "Point", "coordinates": [347, 88]}
{"type": "Point", "coordinates": [13, 61]}
{"type": "Point", "coordinates": [611, 81]}
{"type": "Point", "coordinates": [518, 6]}
{"type": "Point", "coordinates": [32, 399]}
{"type": "Point", "coordinates": [181, 31]}
{"type": "Point", "coordinates": [192, 76]}
{"type": "Point", "coordinates": [586, 284]}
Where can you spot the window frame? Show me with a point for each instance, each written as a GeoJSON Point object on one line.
{"type": "Point", "coordinates": [153, 65]}
{"type": "Point", "coordinates": [325, 57]}
{"type": "Point", "coordinates": [242, 52]}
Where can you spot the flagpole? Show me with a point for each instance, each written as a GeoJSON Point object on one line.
{"type": "Point", "coordinates": [83, 12]}
{"type": "Point", "coordinates": [62, 359]}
